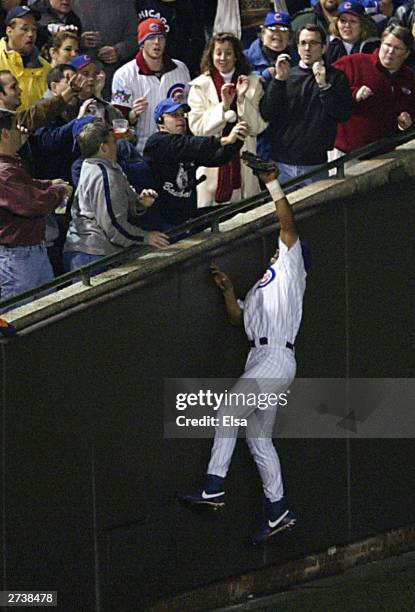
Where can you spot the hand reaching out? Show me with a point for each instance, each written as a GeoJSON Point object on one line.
{"type": "Point", "coordinates": [158, 239]}
{"type": "Point", "coordinates": [68, 187]}
{"type": "Point", "coordinates": [86, 107]}
{"type": "Point", "coordinates": [220, 278]}
{"type": "Point", "coordinates": [239, 132]}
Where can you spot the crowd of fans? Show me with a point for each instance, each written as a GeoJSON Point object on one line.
{"type": "Point", "coordinates": [120, 120]}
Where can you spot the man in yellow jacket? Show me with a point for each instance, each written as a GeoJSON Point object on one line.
{"type": "Point", "coordinates": [19, 54]}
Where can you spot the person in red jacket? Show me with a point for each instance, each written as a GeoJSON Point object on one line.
{"type": "Point", "coordinates": [24, 204]}
{"type": "Point", "coordinates": [383, 91]}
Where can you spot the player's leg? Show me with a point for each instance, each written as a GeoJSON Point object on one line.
{"type": "Point", "coordinates": [212, 491]}
{"type": "Point", "coordinates": [259, 435]}
{"type": "Point", "coordinates": [277, 516]}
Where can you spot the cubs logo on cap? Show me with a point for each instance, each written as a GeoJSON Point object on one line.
{"type": "Point", "coordinates": [352, 7]}
{"type": "Point", "coordinates": [168, 105]}
{"type": "Point", "coordinates": [277, 19]}
{"type": "Point", "coordinates": [80, 61]}
{"type": "Point", "coordinates": [149, 27]}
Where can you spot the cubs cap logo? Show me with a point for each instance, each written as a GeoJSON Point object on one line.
{"type": "Point", "coordinates": [153, 27]}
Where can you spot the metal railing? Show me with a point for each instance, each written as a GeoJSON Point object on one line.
{"type": "Point", "coordinates": [209, 220]}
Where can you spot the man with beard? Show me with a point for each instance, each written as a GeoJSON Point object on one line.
{"type": "Point", "coordinates": [320, 14]}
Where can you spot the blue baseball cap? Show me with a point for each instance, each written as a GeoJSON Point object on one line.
{"type": "Point", "coordinates": [19, 11]}
{"type": "Point", "coordinates": [78, 125]}
{"type": "Point", "coordinates": [352, 7]}
{"type": "Point", "coordinates": [168, 105]}
{"type": "Point", "coordinates": [80, 61]}
{"type": "Point", "coordinates": [277, 19]}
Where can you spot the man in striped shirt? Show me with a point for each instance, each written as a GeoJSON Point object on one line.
{"type": "Point", "coordinates": [152, 76]}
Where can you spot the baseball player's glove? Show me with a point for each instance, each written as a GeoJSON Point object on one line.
{"type": "Point", "coordinates": [257, 164]}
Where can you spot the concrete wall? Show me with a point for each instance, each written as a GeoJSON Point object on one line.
{"type": "Point", "coordinates": [88, 479]}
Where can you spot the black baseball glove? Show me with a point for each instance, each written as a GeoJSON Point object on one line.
{"type": "Point", "coordinates": [257, 164]}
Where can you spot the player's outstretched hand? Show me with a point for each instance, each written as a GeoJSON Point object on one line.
{"type": "Point", "coordinates": [269, 175]}
{"type": "Point", "coordinates": [220, 278]}
{"type": "Point", "coordinates": [266, 170]}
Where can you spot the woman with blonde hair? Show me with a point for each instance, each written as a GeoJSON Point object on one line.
{"type": "Point", "coordinates": [225, 92]}
{"type": "Point", "coordinates": [351, 32]}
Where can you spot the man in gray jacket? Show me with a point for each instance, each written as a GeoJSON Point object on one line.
{"type": "Point", "coordinates": [104, 201]}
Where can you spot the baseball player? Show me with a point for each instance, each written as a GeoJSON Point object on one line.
{"type": "Point", "coordinates": [271, 313]}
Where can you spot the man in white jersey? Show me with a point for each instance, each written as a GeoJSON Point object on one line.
{"type": "Point", "coordinates": [139, 85]}
{"type": "Point", "coordinates": [271, 313]}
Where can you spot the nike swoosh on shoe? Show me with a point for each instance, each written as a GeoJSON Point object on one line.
{"type": "Point", "coordinates": [211, 495]}
{"type": "Point", "coordinates": [273, 524]}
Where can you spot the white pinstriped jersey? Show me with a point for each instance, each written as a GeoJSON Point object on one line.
{"type": "Point", "coordinates": [273, 307]}
{"type": "Point", "coordinates": [128, 84]}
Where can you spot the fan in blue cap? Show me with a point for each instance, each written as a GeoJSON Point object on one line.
{"type": "Point", "coordinates": [167, 106]}
{"type": "Point", "coordinates": [353, 32]}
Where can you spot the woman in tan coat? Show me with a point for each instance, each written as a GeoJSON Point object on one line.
{"type": "Point", "coordinates": [225, 92]}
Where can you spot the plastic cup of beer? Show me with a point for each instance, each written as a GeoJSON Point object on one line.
{"type": "Point", "coordinates": [120, 127]}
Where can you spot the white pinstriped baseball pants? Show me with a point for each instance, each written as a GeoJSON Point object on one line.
{"type": "Point", "coordinates": [267, 370]}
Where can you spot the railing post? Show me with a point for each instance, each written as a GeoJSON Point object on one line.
{"type": "Point", "coordinates": [214, 226]}
{"type": "Point", "coordinates": [340, 171]}
{"type": "Point", "coordinates": [86, 278]}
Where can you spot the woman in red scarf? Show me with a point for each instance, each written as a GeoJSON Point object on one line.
{"type": "Point", "coordinates": [225, 92]}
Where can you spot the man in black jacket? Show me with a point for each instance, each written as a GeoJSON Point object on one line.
{"type": "Point", "coordinates": [304, 105]}
{"type": "Point", "coordinates": [322, 14]}
{"type": "Point", "coordinates": [174, 157]}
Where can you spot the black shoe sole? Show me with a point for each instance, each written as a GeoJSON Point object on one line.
{"type": "Point", "coordinates": [203, 504]}
{"type": "Point", "coordinates": [288, 526]}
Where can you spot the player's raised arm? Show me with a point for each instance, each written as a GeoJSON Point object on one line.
{"type": "Point", "coordinates": [225, 285]}
{"type": "Point", "coordinates": [268, 174]}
